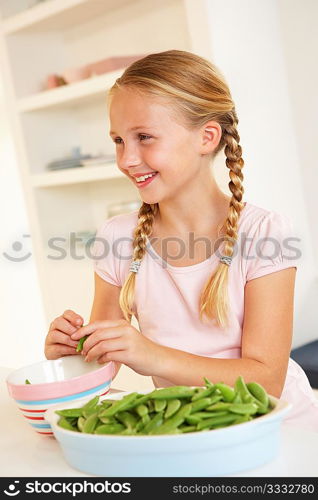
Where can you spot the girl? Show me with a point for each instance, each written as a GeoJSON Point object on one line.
{"type": "Point", "coordinates": [210, 278]}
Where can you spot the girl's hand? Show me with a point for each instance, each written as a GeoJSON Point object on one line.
{"type": "Point", "coordinates": [58, 341]}
{"type": "Point", "coordinates": [118, 340]}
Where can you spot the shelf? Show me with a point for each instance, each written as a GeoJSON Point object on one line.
{"type": "Point", "coordinates": [69, 94]}
{"type": "Point", "coordinates": [77, 175]}
{"type": "Point", "coordinates": [58, 15]}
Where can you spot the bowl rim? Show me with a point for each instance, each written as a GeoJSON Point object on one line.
{"type": "Point", "coordinates": [92, 379]}
{"type": "Point", "coordinates": [281, 407]}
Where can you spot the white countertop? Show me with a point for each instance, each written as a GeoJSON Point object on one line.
{"type": "Point", "coordinates": [24, 453]}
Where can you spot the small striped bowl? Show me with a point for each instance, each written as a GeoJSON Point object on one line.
{"type": "Point", "coordinates": [52, 382]}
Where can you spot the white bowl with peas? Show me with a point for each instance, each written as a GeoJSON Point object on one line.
{"type": "Point", "coordinates": [177, 431]}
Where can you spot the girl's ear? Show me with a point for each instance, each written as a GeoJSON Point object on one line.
{"type": "Point", "coordinates": [211, 134]}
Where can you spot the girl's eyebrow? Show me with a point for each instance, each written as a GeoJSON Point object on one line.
{"type": "Point", "coordinates": [138, 127]}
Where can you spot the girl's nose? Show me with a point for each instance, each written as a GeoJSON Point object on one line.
{"type": "Point", "coordinates": [129, 158]}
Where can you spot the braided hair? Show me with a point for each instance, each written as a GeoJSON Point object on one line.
{"type": "Point", "coordinates": [197, 91]}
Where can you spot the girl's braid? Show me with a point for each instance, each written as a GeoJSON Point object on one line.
{"type": "Point", "coordinates": [146, 217]}
{"type": "Point", "coordinates": [235, 163]}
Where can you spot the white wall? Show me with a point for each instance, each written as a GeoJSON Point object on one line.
{"type": "Point", "coordinates": [249, 46]}
{"type": "Point", "coordinates": [298, 20]}
{"type": "Point", "coordinates": [21, 311]}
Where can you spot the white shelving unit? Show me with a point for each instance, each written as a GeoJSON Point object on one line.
{"type": "Point", "coordinates": [47, 38]}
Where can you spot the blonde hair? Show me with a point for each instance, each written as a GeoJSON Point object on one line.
{"type": "Point", "coordinates": [197, 91]}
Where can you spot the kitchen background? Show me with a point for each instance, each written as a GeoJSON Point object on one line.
{"type": "Point", "coordinates": [58, 176]}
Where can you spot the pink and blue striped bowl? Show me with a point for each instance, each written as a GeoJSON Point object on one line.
{"type": "Point", "coordinates": [52, 382]}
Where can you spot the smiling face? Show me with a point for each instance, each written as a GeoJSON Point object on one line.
{"type": "Point", "coordinates": [149, 139]}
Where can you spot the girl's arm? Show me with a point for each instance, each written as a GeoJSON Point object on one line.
{"type": "Point", "coordinates": [106, 305]}
{"type": "Point", "coordinates": [266, 341]}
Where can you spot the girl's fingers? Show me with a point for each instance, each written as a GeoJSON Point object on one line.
{"type": "Point", "coordinates": [97, 325]}
{"type": "Point", "coordinates": [63, 325]}
{"type": "Point", "coordinates": [64, 350]}
{"type": "Point", "coordinates": [56, 351]}
{"type": "Point", "coordinates": [57, 337]}
{"type": "Point", "coordinates": [73, 318]}
{"type": "Point", "coordinates": [98, 336]}
{"type": "Point", "coordinates": [103, 347]}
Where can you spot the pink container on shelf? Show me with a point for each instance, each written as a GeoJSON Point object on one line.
{"type": "Point", "coordinates": [76, 74]}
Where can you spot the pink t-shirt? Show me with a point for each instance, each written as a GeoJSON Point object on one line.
{"type": "Point", "coordinates": [167, 297]}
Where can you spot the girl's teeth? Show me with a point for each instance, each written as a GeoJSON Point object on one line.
{"type": "Point", "coordinates": [141, 179]}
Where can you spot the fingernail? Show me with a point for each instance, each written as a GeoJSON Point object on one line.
{"type": "Point", "coordinates": [86, 359]}
{"type": "Point", "coordinates": [79, 321]}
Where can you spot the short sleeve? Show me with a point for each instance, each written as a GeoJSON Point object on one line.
{"type": "Point", "coordinates": [103, 255]}
{"type": "Point", "coordinates": [272, 247]}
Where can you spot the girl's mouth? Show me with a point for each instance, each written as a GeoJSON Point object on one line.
{"type": "Point", "coordinates": [146, 182]}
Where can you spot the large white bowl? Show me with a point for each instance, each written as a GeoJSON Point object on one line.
{"type": "Point", "coordinates": [206, 453]}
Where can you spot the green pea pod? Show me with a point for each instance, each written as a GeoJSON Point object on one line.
{"type": "Point", "coordinates": [155, 422]}
{"type": "Point", "coordinates": [63, 422]}
{"type": "Point", "coordinates": [250, 399]}
{"type": "Point", "coordinates": [141, 410]}
{"type": "Point", "coordinates": [219, 406]}
{"type": "Point", "coordinates": [160, 404]}
{"type": "Point", "coordinates": [203, 394]}
{"type": "Point", "coordinates": [200, 404]}
{"type": "Point", "coordinates": [142, 422]}
{"type": "Point", "coordinates": [219, 420]}
{"type": "Point", "coordinates": [175, 421]}
{"type": "Point", "coordinates": [242, 419]}
{"type": "Point", "coordinates": [107, 403]}
{"type": "Point", "coordinates": [128, 419]}
{"type": "Point", "coordinates": [177, 391]}
{"type": "Point", "coordinates": [237, 398]}
{"type": "Point", "coordinates": [227, 392]}
{"type": "Point", "coordinates": [27, 381]}
{"type": "Point", "coordinates": [139, 401]}
{"type": "Point", "coordinates": [193, 419]}
{"type": "Point", "coordinates": [207, 382]}
{"type": "Point", "coordinates": [188, 428]}
{"type": "Point", "coordinates": [172, 407]}
{"type": "Point", "coordinates": [241, 389]}
{"type": "Point", "coordinates": [120, 405]}
{"type": "Point", "coordinates": [70, 412]}
{"type": "Point", "coordinates": [107, 420]}
{"type": "Point", "coordinates": [109, 429]}
{"type": "Point", "coordinates": [92, 403]}
{"type": "Point", "coordinates": [127, 432]}
{"type": "Point", "coordinates": [81, 341]}
{"type": "Point", "coordinates": [151, 405]}
{"type": "Point", "coordinates": [90, 423]}
{"type": "Point", "coordinates": [209, 414]}
{"type": "Point", "coordinates": [89, 411]}
{"type": "Point", "coordinates": [216, 398]}
{"type": "Point", "coordinates": [243, 408]}
{"type": "Point", "coordinates": [80, 423]}
{"type": "Point", "coordinates": [258, 392]}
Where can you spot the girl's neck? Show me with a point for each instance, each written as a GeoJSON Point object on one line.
{"type": "Point", "coordinates": [194, 217]}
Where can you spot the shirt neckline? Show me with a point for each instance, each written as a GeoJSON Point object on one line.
{"type": "Point", "coordinates": [186, 269]}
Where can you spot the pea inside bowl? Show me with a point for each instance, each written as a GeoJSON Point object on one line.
{"type": "Point", "coordinates": [206, 453]}
{"type": "Point", "coordinates": [65, 380]}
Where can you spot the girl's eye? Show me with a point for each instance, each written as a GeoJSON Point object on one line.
{"type": "Point", "coordinates": [142, 137]}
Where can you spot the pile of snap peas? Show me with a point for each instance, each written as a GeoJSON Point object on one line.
{"type": "Point", "coordinates": [172, 410]}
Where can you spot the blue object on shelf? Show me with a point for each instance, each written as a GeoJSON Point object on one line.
{"type": "Point", "coordinates": [307, 357]}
